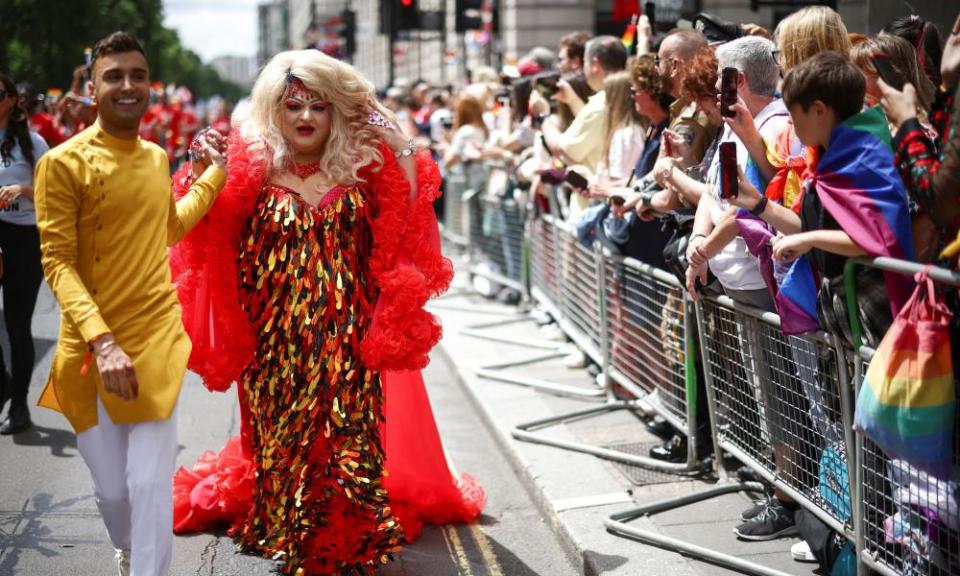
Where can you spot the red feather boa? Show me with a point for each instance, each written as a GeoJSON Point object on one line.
{"type": "Point", "coordinates": [405, 264]}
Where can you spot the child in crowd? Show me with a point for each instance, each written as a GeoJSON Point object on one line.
{"type": "Point", "coordinates": [854, 204]}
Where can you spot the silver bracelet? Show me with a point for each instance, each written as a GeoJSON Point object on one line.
{"type": "Point", "coordinates": [406, 152]}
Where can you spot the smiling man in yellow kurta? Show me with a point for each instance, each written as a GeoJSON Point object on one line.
{"type": "Point", "coordinates": [106, 215]}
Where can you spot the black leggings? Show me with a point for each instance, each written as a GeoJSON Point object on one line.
{"type": "Point", "coordinates": [22, 274]}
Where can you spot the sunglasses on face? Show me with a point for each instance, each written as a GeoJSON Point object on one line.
{"type": "Point", "coordinates": [3, 94]}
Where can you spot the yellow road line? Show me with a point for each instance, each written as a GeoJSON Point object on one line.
{"type": "Point", "coordinates": [486, 550]}
{"type": "Point", "coordinates": [457, 552]}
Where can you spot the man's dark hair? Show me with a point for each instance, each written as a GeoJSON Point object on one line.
{"type": "Point", "coordinates": [609, 52]}
{"type": "Point", "coordinates": [116, 43]}
{"type": "Point", "coordinates": [829, 77]}
{"type": "Point", "coordinates": [575, 42]}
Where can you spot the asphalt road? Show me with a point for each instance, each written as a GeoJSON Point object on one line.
{"type": "Point", "coordinates": [49, 524]}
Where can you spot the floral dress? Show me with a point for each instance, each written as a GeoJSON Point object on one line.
{"type": "Point", "coordinates": [313, 408]}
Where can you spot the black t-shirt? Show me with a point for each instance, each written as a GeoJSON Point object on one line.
{"type": "Point", "coordinates": [646, 243]}
{"type": "Point", "coordinates": [813, 216]}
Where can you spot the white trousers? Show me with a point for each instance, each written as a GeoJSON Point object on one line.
{"type": "Point", "coordinates": [132, 467]}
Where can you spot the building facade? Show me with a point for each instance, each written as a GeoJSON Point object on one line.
{"type": "Point", "coordinates": [443, 57]}
{"type": "Point", "coordinates": [241, 70]}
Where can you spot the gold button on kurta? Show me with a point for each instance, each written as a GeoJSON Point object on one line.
{"type": "Point", "coordinates": [106, 215]}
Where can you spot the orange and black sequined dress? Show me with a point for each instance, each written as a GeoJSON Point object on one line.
{"type": "Point", "coordinates": [313, 408]}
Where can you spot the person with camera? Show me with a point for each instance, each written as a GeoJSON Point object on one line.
{"type": "Point", "coordinates": [21, 273]}
{"type": "Point", "coordinates": [106, 216]}
{"type": "Point", "coordinates": [582, 142]}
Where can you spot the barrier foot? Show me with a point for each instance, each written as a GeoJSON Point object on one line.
{"type": "Point", "coordinates": [543, 385]}
{"type": "Point", "coordinates": [617, 524]}
{"type": "Point", "coordinates": [525, 342]}
{"type": "Point", "coordinates": [525, 432]}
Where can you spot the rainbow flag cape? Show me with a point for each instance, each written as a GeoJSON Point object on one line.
{"type": "Point", "coordinates": [858, 183]}
{"type": "Point", "coordinates": [859, 186]}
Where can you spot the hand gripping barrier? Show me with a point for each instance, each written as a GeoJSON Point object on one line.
{"type": "Point", "coordinates": [908, 522]}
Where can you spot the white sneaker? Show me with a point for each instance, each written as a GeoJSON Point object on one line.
{"type": "Point", "coordinates": [540, 316]}
{"type": "Point", "coordinates": [123, 562]}
{"type": "Point", "coordinates": [576, 359]}
{"type": "Point", "coordinates": [801, 552]}
{"type": "Point", "coordinates": [553, 332]}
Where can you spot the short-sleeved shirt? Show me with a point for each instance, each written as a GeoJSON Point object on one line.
{"type": "Point", "coordinates": [693, 125]}
{"type": "Point", "coordinates": [734, 266]}
{"type": "Point", "coordinates": [18, 170]}
{"type": "Point", "coordinates": [583, 139]}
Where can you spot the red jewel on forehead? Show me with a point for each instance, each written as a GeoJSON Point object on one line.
{"type": "Point", "coordinates": [297, 89]}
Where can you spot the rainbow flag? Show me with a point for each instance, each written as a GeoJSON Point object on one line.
{"type": "Point", "coordinates": [630, 35]}
{"type": "Point", "coordinates": [796, 293]}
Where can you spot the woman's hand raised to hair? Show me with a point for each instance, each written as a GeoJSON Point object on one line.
{"type": "Point", "coordinates": [898, 106]}
{"type": "Point", "coordinates": [950, 61]}
{"type": "Point", "coordinates": [391, 133]}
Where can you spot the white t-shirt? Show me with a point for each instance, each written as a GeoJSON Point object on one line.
{"type": "Point", "coordinates": [734, 266]}
{"type": "Point", "coordinates": [17, 170]}
{"type": "Point", "coordinates": [626, 146]}
{"type": "Point", "coordinates": [467, 135]}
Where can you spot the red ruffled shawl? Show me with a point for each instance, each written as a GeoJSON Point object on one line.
{"type": "Point", "coordinates": [406, 264]}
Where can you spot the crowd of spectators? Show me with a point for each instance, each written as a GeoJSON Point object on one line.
{"type": "Point", "coordinates": [623, 143]}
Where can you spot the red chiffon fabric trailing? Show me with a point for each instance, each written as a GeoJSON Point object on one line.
{"type": "Point", "coordinates": [408, 268]}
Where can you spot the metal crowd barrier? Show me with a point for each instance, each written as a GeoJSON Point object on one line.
{"type": "Point", "coordinates": [629, 318]}
{"type": "Point", "coordinates": [562, 279]}
{"type": "Point", "coordinates": [909, 522]}
{"type": "Point", "coordinates": [782, 405]}
{"type": "Point", "coordinates": [777, 404]}
{"type": "Point", "coordinates": [454, 223]}
{"type": "Point", "coordinates": [495, 229]}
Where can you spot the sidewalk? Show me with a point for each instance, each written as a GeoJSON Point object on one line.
{"type": "Point", "coordinates": [49, 524]}
{"type": "Point", "coordinates": [576, 491]}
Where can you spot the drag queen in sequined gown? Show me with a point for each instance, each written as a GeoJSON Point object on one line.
{"type": "Point", "coordinates": [306, 285]}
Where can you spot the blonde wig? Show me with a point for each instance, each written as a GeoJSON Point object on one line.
{"type": "Point", "coordinates": [352, 142]}
{"type": "Point", "coordinates": [902, 57]}
{"type": "Point", "coordinates": [808, 32]}
{"type": "Point", "coordinates": [620, 109]}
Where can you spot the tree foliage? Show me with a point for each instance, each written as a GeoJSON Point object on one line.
{"type": "Point", "coordinates": [42, 41]}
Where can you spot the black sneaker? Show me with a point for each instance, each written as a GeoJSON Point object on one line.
{"type": "Point", "coordinates": [754, 511]}
{"type": "Point", "coordinates": [774, 521]}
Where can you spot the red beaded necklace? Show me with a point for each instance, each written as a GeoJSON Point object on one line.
{"type": "Point", "coordinates": [304, 171]}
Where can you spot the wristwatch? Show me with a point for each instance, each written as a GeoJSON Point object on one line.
{"type": "Point", "coordinates": [760, 207]}
{"type": "Point", "coordinates": [646, 197]}
{"type": "Point", "coordinates": [407, 151]}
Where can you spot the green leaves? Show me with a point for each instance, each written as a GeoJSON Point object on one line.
{"type": "Point", "coordinates": [42, 41]}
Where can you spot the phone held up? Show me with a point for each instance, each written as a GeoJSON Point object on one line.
{"type": "Point", "coordinates": [546, 83]}
{"type": "Point", "coordinates": [576, 180]}
{"type": "Point", "coordinates": [728, 91]}
{"type": "Point", "coordinates": [886, 70]}
{"type": "Point", "coordinates": [728, 170]}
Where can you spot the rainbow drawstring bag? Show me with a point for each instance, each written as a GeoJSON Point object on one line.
{"type": "Point", "coordinates": [907, 402]}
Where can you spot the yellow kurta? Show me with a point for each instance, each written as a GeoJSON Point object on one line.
{"type": "Point", "coordinates": [106, 215]}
